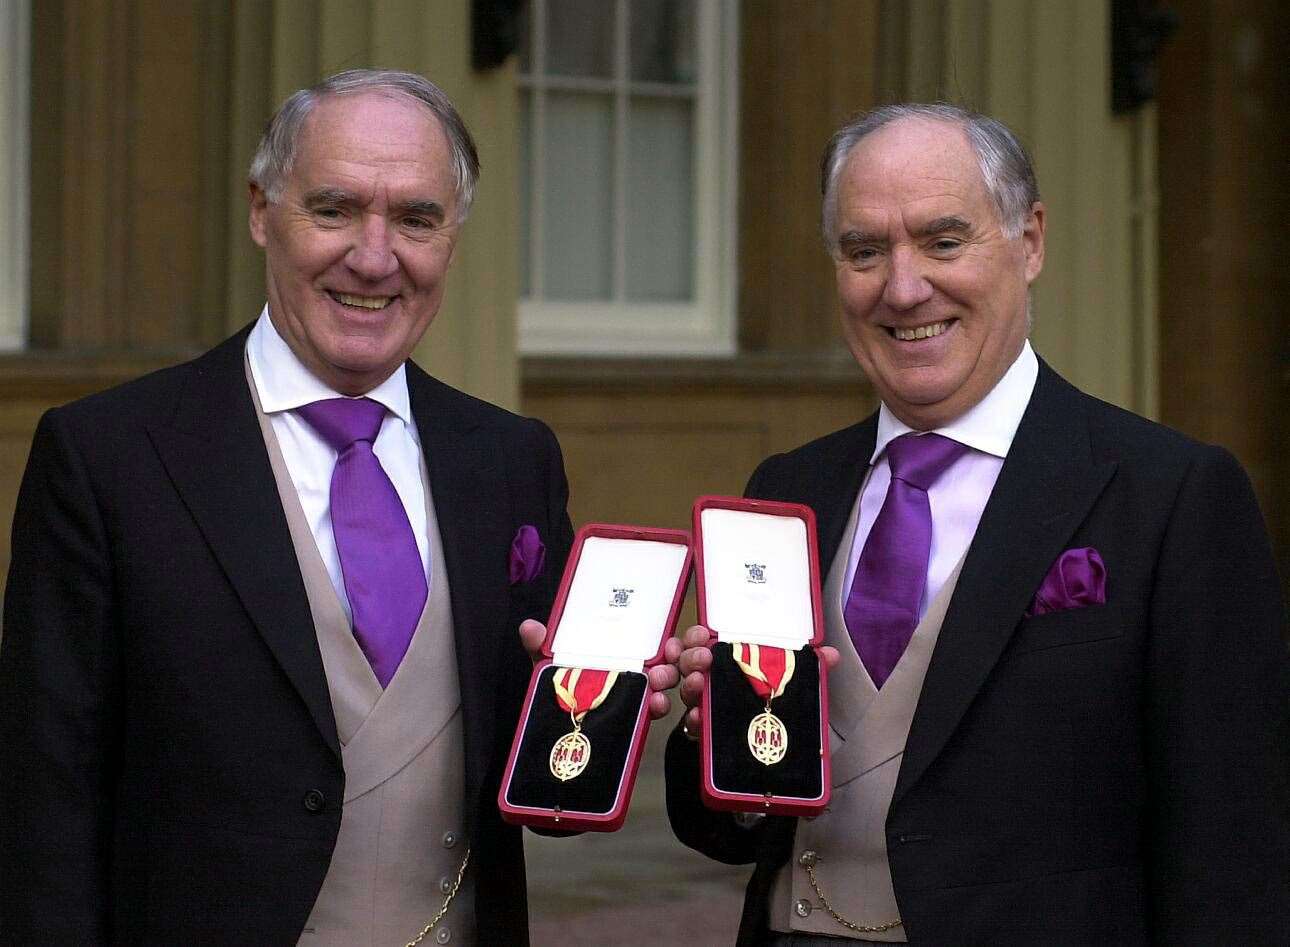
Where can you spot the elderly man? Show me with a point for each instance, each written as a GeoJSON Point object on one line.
{"type": "Point", "coordinates": [1059, 693]}
{"type": "Point", "coordinates": [260, 668]}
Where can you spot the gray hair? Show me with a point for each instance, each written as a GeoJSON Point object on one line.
{"type": "Point", "coordinates": [1005, 166]}
{"type": "Point", "coordinates": [273, 159]}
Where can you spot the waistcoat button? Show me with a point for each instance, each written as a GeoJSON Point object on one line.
{"type": "Point", "coordinates": [802, 908]}
{"type": "Point", "coordinates": [443, 935]}
{"type": "Point", "coordinates": [449, 839]}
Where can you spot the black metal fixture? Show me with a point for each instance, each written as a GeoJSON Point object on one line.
{"type": "Point", "coordinates": [1138, 29]}
{"type": "Point", "coordinates": [494, 31]}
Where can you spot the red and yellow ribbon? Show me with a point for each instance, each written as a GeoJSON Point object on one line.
{"type": "Point", "coordinates": [581, 690]}
{"type": "Point", "coordinates": [768, 669]}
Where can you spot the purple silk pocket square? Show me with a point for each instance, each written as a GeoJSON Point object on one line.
{"type": "Point", "coordinates": [1077, 579]}
{"type": "Point", "coordinates": [527, 555]}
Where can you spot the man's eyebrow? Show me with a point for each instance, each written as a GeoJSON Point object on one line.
{"type": "Point", "coordinates": [951, 224]}
{"type": "Point", "coordinates": [329, 196]}
{"type": "Point", "coordinates": [851, 238]}
{"type": "Point", "coordinates": [425, 208]}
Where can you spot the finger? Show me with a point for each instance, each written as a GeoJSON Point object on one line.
{"type": "Point", "coordinates": [692, 689]}
{"type": "Point", "coordinates": [694, 659]}
{"type": "Point", "coordinates": [672, 650]}
{"type": "Point", "coordinates": [696, 636]}
{"type": "Point", "coordinates": [659, 705]}
{"type": "Point", "coordinates": [532, 636]}
{"type": "Point", "coordinates": [692, 724]}
{"type": "Point", "coordinates": [830, 655]}
{"type": "Point", "coordinates": [663, 677]}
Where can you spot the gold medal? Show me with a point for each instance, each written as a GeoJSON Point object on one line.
{"type": "Point", "coordinates": [570, 755]}
{"type": "Point", "coordinates": [768, 670]}
{"type": "Point", "coordinates": [579, 691]}
{"type": "Point", "coordinates": [767, 738]}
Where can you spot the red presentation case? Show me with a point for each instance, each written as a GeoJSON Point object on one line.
{"type": "Point", "coordinates": [617, 605]}
{"type": "Point", "coordinates": [758, 580]}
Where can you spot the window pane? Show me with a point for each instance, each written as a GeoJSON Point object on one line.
{"type": "Point", "coordinates": [660, 199]}
{"type": "Point", "coordinates": [526, 190]}
{"type": "Point", "coordinates": [662, 40]}
{"type": "Point", "coordinates": [577, 232]}
{"type": "Point", "coordinates": [580, 38]}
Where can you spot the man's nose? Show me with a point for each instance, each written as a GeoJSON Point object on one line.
{"type": "Point", "coordinates": [907, 285]}
{"type": "Point", "coordinates": [372, 255]}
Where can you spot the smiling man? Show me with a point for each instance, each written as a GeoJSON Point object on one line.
{"type": "Point", "coordinates": [1060, 688]}
{"type": "Point", "coordinates": [260, 668]}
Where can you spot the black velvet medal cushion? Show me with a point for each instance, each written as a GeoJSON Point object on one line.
{"type": "Point", "coordinates": [734, 704]}
{"type": "Point", "coordinates": [609, 728]}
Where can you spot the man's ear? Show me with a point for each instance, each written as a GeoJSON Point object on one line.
{"type": "Point", "coordinates": [258, 214]}
{"type": "Point", "coordinates": [1032, 240]}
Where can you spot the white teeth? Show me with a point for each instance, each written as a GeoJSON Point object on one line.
{"type": "Point", "coordinates": [364, 302]}
{"type": "Point", "coordinates": [920, 332]}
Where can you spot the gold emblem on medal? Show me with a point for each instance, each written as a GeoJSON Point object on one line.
{"type": "Point", "coordinates": [570, 755]}
{"type": "Point", "coordinates": [767, 738]}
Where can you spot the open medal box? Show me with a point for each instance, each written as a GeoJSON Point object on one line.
{"type": "Point", "coordinates": [582, 729]}
{"type": "Point", "coordinates": [765, 745]}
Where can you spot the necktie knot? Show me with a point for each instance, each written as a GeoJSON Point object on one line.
{"type": "Point", "coordinates": [920, 459]}
{"type": "Point", "coordinates": [344, 421]}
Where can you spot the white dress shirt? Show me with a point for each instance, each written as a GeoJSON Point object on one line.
{"type": "Point", "coordinates": [283, 384]}
{"type": "Point", "coordinates": [958, 498]}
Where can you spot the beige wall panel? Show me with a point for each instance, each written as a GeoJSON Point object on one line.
{"type": "Point", "coordinates": [649, 475]}
{"type": "Point", "coordinates": [295, 46]}
{"type": "Point", "coordinates": [345, 35]}
{"type": "Point", "coordinates": [787, 300]}
{"type": "Point", "coordinates": [484, 280]}
{"type": "Point", "coordinates": [251, 100]}
{"type": "Point", "coordinates": [641, 452]}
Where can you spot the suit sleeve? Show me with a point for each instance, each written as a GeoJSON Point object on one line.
{"type": "Point", "coordinates": [559, 527]}
{"type": "Point", "coordinates": [58, 704]}
{"type": "Point", "coordinates": [1218, 734]}
{"type": "Point", "coordinates": [715, 834]}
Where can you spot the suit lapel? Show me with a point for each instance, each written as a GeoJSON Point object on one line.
{"type": "Point", "coordinates": [1047, 485]}
{"type": "Point", "coordinates": [471, 502]}
{"type": "Point", "coordinates": [833, 490]}
{"type": "Point", "coordinates": [215, 455]}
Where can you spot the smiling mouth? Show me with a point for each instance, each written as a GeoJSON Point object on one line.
{"type": "Point", "coordinates": [361, 302]}
{"type": "Point", "coordinates": [915, 333]}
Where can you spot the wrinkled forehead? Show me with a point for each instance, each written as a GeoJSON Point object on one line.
{"type": "Point", "coordinates": [374, 116]}
{"type": "Point", "coordinates": [913, 161]}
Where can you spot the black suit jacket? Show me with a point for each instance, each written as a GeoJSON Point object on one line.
{"type": "Point", "coordinates": [1115, 774]}
{"type": "Point", "coordinates": [169, 765]}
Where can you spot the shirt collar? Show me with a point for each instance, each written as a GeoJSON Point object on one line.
{"type": "Point", "coordinates": [988, 426]}
{"type": "Point", "coordinates": [284, 383]}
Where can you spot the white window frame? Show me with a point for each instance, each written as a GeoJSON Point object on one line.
{"type": "Point", "coordinates": [704, 326]}
{"type": "Point", "coordinates": [15, 83]}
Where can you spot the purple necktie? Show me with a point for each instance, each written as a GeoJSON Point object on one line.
{"type": "Point", "coordinates": [882, 608]}
{"type": "Point", "coordinates": [384, 578]}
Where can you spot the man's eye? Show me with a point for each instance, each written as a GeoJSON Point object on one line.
{"type": "Point", "coordinates": [418, 223]}
{"type": "Point", "coordinates": [946, 245]}
{"type": "Point", "coordinates": [862, 254]}
{"type": "Point", "coordinates": [328, 213]}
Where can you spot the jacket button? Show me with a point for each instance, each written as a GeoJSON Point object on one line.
{"type": "Point", "coordinates": [802, 908]}
{"type": "Point", "coordinates": [314, 801]}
